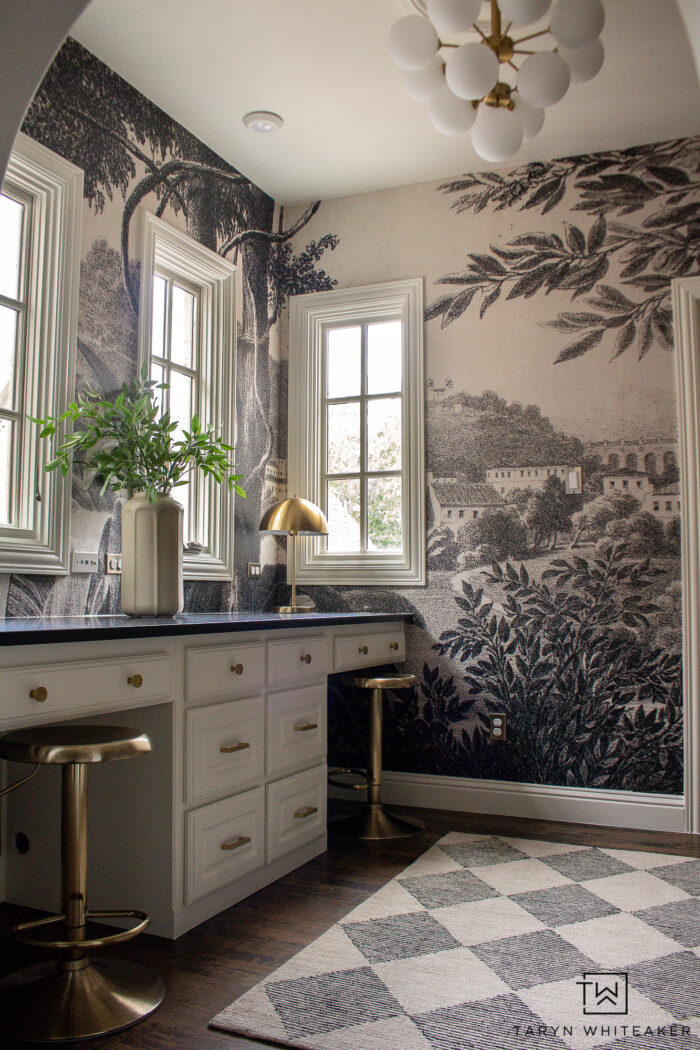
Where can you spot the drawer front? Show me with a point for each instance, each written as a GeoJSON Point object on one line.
{"type": "Point", "coordinates": [225, 747]}
{"type": "Point", "coordinates": [296, 728]}
{"type": "Point", "coordinates": [224, 670]}
{"type": "Point", "coordinates": [297, 660]}
{"type": "Point", "coordinates": [296, 811]}
{"type": "Point", "coordinates": [368, 649]}
{"type": "Point", "coordinates": [41, 692]}
{"type": "Point", "coordinates": [224, 841]}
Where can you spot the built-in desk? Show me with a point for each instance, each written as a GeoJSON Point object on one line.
{"type": "Point", "coordinates": [233, 795]}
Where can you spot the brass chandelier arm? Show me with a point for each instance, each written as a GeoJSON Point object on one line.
{"type": "Point", "coordinates": [532, 36]}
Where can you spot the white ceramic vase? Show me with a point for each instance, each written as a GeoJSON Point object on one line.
{"type": "Point", "coordinates": [152, 556]}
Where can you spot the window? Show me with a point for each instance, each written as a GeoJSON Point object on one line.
{"type": "Point", "coordinates": [39, 273]}
{"type": "Point", "coordinates": [187, 334]}
{"type": "Point", "coordinates": [356, 431]}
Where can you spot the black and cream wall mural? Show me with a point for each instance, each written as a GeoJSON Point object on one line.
{"type": "Point", "coordinates": [554, 588]}
{"type": "Point", "coordinates": [135, 157]}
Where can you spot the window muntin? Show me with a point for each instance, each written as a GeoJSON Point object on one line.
{"type": "Point", "coordinates": [356, 431]}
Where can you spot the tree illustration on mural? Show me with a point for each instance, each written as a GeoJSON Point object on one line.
{"type": "Point", "coordinates": [126, 145]}
{"type": "Point", "coordinates": [662, 178]}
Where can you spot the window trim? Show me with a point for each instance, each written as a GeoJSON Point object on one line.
{"type": "Point", "coordinates": [55, 187]}
{"type": "Point", "coordinates": [310, 315]}
{"type": "Point", "coordinates": [173, 250]}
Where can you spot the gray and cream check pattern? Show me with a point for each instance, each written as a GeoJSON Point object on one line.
{"type": "Point", "coordinates": [483, 943]}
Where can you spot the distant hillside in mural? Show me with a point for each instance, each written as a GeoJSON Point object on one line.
{"type": "Point", "coordinates": [469, 433]}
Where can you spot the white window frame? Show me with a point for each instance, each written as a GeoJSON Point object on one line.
{"type": "Point", "coordinates": [310, 316]}
{"type": "Point", "coordinates": [169, 249]}
{"type": "Point", "coordinates": [53, 188]}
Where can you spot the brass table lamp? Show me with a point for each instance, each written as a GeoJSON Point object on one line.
{"type": "Point", "coordinates": [294, 517]}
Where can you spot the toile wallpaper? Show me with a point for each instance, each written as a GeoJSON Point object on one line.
{"type": "Point", "coordinates": [554, 591]}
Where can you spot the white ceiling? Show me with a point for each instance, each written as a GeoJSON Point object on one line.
{"type": "Point", "coordinates": [349, 126]}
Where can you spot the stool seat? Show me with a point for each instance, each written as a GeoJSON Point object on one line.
{"type": "Point", "coordinates": [381, 679]}
{"type": "Point", "coordinates": [61, 744]}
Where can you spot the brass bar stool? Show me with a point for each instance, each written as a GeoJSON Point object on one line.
{"type": "Point", "coordinates": [374, 821]}
{"type": "Point", "coordinates": [76, 998]}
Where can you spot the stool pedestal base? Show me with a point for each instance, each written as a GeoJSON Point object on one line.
{"type": "Point", "coordinates": [376, 823]}
{"type": "Point", "coordinates": [53, 1002]}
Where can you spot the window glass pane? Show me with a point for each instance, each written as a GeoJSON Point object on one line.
{"type": "Point", "coordinates": [343, 357]}
{"type": "Point", "coordinates": [5, 469]}
{"type": "Point", "coordinates": [384, 434]}
{"type": "Point", "coordinates": [344, 438]}
{"type": "Point", "coordinates": [384, 357]}
{"type": "Point", "coordinates": [158, 320]}
{"type": "Point", "coordinates": [182, 334]}
{"type": "Point", "coordinates": [11, 219]}
{"type": "Point", "coordinates": [343, 515]}
{"type": "Point", "coordinates": [384, 530]}
{"type": "Point", "coordinates": [180, 400]}
{"type": "Point", "coordinates": [8, 356]}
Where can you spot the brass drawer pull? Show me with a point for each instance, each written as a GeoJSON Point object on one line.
{"type": "Point", "coordinates": [242, 840]}
{"type": "Point", "coordinates": [136, 680]}
{"type": "Point", "coordinates": [394, 645]}
{"type": "Point", "coordinates": [39, 694]}
{"type": "Point", "coordinates": [237, 668]}
{"type": "Point", "coordinates": [228, 749]}
{"type": "Point", "coordinates": [306, 659]}
{"type": "Point", "coordinates": [306, 727]}
{"type": "Point", "coordinates": [363, 649]}
{"type": "Point", "coordinates": [301, 814]}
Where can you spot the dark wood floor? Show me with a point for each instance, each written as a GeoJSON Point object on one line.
{"type": "Point", "coordinates": [212, 965]}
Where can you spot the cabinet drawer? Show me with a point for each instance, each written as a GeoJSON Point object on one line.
{"type": "Point", "coordinates": [296, 728]}
{"type": "Point", "coordinates": [296, 811]}
{"type": "Point", "coordinates": [224, 841]}
{"type": "Point", "coordinates": [367, 649]}
{"type": "Point", "coordinates": [225, 747]}
{"type": "Point", "coordinates": [83, 685]}
{"type": "Point", "coordinates": [224, 670]}
{"type": "Point", "coordinates": [297, 660]}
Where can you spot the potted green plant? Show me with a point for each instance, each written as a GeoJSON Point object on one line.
{"type": "Point", "coordinates": [133, 446]}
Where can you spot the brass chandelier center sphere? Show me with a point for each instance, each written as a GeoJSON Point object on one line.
{"type": "Point", "coordinates": [503, 46]}
{"type": "Point", "coordinates": [500, 96]}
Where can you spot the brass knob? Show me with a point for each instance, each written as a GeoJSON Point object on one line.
{"type": "Point", "coordinates": [364, 650]}
{"type": "Point", "coordinates": [237, 668]}
{"type": "Point", "coordinates": [306, 659]}
{"type": "Point", "coordinates": [136, 680]}
{"type": "Point", "coordinates": [39, 694]}
{"type": "Point", "coordinates": [394, 645]}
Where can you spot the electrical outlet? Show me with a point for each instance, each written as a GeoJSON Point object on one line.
{"type": "Point", "coordinates": [497, 727]}
{"type": "Point", "coordinates": [254, 570]}
{"type": "Point", "coordinates": [82, 562]}
{"type": "Point", "coordinates": [114, 564]}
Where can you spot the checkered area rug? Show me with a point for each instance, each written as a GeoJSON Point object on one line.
{"type": "Point", "coordinates": [498, 943]}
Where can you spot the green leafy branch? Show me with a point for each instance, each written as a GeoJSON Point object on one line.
{"type": "Point", "coordinates": [131, 445]}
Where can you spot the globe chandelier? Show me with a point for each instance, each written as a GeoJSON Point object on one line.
{"type": "Point", "coordinates": [498, 86]}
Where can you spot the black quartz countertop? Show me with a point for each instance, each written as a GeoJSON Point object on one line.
{"type": "Point", "coordinates": [41, 630]}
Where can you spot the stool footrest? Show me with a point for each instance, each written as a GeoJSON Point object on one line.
{"type": "Point", "coordinates": [335, 773]}
{"type": "Point", "coordinates": [23, 932]}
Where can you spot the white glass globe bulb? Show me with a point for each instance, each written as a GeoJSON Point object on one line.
{"type": "Point", "coordinates": [543, 79]}
{"type": "Point", "coordinates": [453, 16]}
{"type": "Point", "coordinates": [584, 62]}
{"type": "Point", "coordinates": [449, 114]}
{"type": "Point", "coordinates": [577, 22]}
{"type": "Point", "coordinates": [421, 84]}
{"type": "Point", "coordinates": [522, 12]}
{"type": "Point", "coordinates": [413, 42]}
{"type": "Point", "coordinates": [497, 134]}
{"type": "Point", "coordinates": [471, 71]}
{"type": "Point", "coordinates": [531, 118]}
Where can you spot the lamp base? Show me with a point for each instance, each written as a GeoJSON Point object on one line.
{"type": "Point", "coordinates": [295, 608]}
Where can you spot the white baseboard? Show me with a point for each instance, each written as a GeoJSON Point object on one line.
{"type": "Point", "coordinates": [618, 809]}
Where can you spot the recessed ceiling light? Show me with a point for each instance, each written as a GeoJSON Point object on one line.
{"type": "Point", "coordinates": [262, 121]}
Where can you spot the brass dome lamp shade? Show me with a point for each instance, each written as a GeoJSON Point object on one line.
{"type": "Point", "coordinates": [294, 517]}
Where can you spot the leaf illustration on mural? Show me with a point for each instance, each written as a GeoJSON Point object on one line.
{"type": "Point", "coordinates": [665, 245]}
